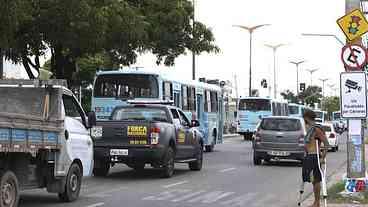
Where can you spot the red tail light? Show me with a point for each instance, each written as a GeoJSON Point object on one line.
{"type": "Point", "coordinates": [332, 135]}
{"type": "Point", "coordinates": [301, 140]}
{"type": "Point", "coordinates": [155, 130]}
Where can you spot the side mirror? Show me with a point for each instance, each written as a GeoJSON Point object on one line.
{"type": "Point", "coordinates": [92, 120]}
{"type": "Point", "coordinates": [195, 123]}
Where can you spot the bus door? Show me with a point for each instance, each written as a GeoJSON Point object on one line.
{"type": "Point", "coordinates": [220, 118]}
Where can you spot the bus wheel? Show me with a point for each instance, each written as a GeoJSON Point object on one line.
{"type": "Point", "coordinates": [9, 186]}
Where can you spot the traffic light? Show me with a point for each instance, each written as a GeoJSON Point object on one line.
{"type": "Point", "coordinates": [264, 83]}
{"type": "Point", "coordinates": [302, 87]}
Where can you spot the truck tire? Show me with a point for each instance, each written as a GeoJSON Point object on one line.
{"type": "Point", "coordinates": [103, 170]}
{"type": "Point", "coordinates": [197, 165]}
{"type": "Point", "coordinates": [72, 185]}
{"type": "Point", "coordinates": [9, 185]}
{"type": "Point", "coordinates": [169, 163]}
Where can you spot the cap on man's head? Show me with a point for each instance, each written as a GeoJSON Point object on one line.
{"type": "Point", "coordinates": [309, 114]}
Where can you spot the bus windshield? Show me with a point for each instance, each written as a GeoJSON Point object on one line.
{"type": "Point", "coordinates": [255, 105]}
{"type": "Point", "coordinates": [293, 109]}
{"type": "Point", "coordinates": [126, 86]}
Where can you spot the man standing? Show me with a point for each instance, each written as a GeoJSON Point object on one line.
{"type": "Point", "coordinates": [311, 172]}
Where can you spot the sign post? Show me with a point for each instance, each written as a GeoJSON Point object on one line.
{"type": "Point", "coordinates": [353, 89]}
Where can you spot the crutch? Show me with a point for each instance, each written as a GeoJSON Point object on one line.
{"type": "Point", "coordinates": [323, 175]}
{"type": "Point", "coordinates": [301, 191]}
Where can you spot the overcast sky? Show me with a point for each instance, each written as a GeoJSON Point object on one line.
{"type": "Point", "coordinates": [288, 19]}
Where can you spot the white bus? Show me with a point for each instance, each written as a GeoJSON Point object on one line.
{"type": "Point", "coordinates": [200, 101]}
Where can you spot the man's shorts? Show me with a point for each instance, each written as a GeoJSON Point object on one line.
{"type": "Point", "coordinates": [310, 165]}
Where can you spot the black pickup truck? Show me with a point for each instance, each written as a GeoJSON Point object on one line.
{"type": "Point", "coordinates": [140, 134]}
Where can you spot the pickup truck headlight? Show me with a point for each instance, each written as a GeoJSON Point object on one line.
{"type": "Point", "coordinates": [96, 132]}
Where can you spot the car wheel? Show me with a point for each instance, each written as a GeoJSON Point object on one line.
{"type": "Point", "coordinates": [9, 186]}
{"type": "Point", "coordinates": [102, 170]}
{"type": "Point", "coordinates": [256, 159]}
{"type": "Point", "coordinates": [337, 148]}
{"type": "Point", "coordinates": [197, 165]}
{"type": "Point", "coordinates": [169, 163]}
{"type": "Point", "coordinates": [72, 185]}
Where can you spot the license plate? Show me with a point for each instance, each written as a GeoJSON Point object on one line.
{"type": "Point", "coordinates": [123, 152]}
{"type": "Point", "coordinates": [279, 153]}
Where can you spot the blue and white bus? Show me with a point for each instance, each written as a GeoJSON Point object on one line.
{"type": "Point", "coordinates": [296, 110]}
{"type": "Point", "coordinates": [200, 101]}
{"type": "Point", "coordinates": [321, 116]}
{"type": "Point", "coordinates": [252, 109]}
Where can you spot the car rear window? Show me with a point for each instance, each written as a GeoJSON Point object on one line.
{"type": "Point", "coordinates": [326, 128]}
{"type": "Point", "coordinates": [281, 124]}
{"type": "Point", "coordinates": [140, 114]}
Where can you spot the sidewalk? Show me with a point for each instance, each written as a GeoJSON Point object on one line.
{"type": "Point", "coordinates": [335, 177]}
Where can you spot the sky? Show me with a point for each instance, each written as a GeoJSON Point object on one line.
{"type": "Point", "coordinates": [288, 19]}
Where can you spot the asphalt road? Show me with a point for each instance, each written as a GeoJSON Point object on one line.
{"type": "Point", "coordinates": [228, 179]}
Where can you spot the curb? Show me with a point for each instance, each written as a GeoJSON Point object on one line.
{"type": "Point", "coordinates": [230, 135]}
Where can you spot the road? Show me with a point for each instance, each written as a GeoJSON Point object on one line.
{"type": "Point", "coordinates": [228, 179]}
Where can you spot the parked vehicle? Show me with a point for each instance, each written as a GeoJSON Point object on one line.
{"type": "Point", "coordinates": [253, 109]}
{"type": "Point", "coordinates": [332, 136]}
{"type": "Point", "coordinates": [340, 124]}
{"type": "Point", "coordinates": [321, 116]}
{"type": "Point", "coordinates": [140, 134]}
{"type": "Point", "coordinates": [279, 138]}
{"type": "Point", "coordinates": [44, 140]}
{"type": "Point", "coordinates": [200, 101]}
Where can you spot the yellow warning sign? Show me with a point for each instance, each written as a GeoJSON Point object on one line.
{"type": "Point", "coordinates": [353, 24]}
{"type": "Point", "coordinates": [137, 131]}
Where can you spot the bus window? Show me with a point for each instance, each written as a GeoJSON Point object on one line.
{"type": "Point", "coordinates": [177, 99]}
{"type": "Point", "coordinates": [184, 97]}
{"type": "Point", "coordinates": [214, 102]}
{"type": "Point", "coordinates": [167, 91]}
{"type": "Point", "coordinates": [191, 99]}
{"type": "Point", "coordinates": [274, 109]}
{"type": "Point", "coordinates": [126, 86]}
{"type": "Point", "coordinates": [207, 102]}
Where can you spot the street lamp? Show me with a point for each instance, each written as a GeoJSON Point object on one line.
{"type": "Point", "coordinates": [325, 35]}
{"type": "Point", "coordinates": [323, 90]}
{"type": "Point", "coordinates": [311, 71]}
{"type": "Point", "coordinates": [297, 74]}
{"type": "Point", "coordinates": [193, 53]}
{"type": "Point", "coordinates": [274, 48]}
{"type": "Point", "coordinates": [250, 30]}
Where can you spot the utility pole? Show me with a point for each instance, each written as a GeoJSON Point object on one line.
{"type": "Point", "coordinates": [297, 74]}
{"type": "Point", "coordinates": [1, 64]}
{"type": "Point", "coordinates": [355, 142]}
{"type": "Point", "coordinates": [250, 30]}
{"type": "Point", "coordinates": [311, 71]}
{"type": "Point", "coordinates": [274, 49]}
{"type": "Point", "coordinates": [193, 53]}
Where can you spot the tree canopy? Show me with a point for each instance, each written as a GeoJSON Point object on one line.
{"type": "Point", "coordinates": [311, 95]}
{"type": "Point", "coordinates": [120, 29]}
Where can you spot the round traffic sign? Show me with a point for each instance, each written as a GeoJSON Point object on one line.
{"type": "Point", "coordinates": [354, 57]}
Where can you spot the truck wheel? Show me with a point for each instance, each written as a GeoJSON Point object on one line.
{"type": "Point", "coordinates": [103, 170]}
{"type": "Point", "coordinates": [72, 185]}
{"type": "Point", "coordinates": [9, 190]}
{"type": "Point", "coordinates": [169, 163]}
{"type": "Point", "coordinates": [197, 165]}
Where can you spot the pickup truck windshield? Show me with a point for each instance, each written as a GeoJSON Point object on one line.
{"type": "Point", "coordinates": [140, 114]}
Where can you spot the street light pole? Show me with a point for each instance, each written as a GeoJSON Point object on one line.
{"type": "Point", "coordinates": [193, 53]}
{"type": "Point", "coordinates": [325, 35]}
{"type": "Point", "coordinates": [311, 71]}
{"type": "Point", "coordinates": [250, 30]}
{"type": "Point", "coordinates": [274, 48]}
{"type": "Point", "coordinates": [323, 90]}
{"type": "Point", "coordinates": [297, 74]}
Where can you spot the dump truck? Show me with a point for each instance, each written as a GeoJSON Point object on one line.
{"type": "Point", "coordinates": [45, 140]}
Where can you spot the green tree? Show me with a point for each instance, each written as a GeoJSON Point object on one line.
{"type": "Point", "coordinates": [312, 94]}
{"type": "Point", "coordinates": [289, 96]}
{"type": "Point", "coordinates": [331, 104]}
{"type": "Point", "coordinates": [121, 29]}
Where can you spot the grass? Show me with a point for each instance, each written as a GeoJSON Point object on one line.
{"type": "Point", "coordinates": [335, 197]}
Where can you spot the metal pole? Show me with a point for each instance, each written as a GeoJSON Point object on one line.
{"type": "Point", "coordinates": [193, 53]}
{"type": "Point", "coordinates": [297, 80]}
{"type": "Point", "coordinates": [1, 65]}
{"type": "Point", "coordinates": [250, 63]}
{"type": "Point", "coordinates": [274, 74]}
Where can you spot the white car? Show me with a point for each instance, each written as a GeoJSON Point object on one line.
{"type": "Point", "coordinates": [331, 135]}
